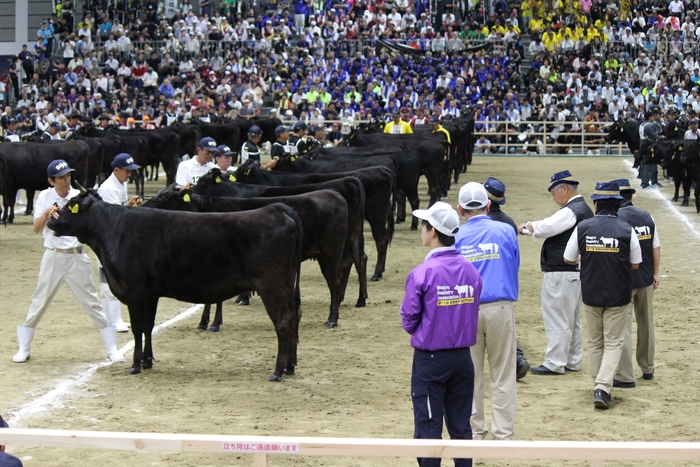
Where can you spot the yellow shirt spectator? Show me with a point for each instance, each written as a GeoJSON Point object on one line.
{"type": "Point", "coordinates": [398, 127]}
{"type": "Point", "coordinates": [550, 41]}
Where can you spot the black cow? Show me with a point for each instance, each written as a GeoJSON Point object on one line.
{"type": "Point", "coordinates": [622, 131]}
{"type": "Point", "coordinates": [163, 147]}
{"type": "Point", "coordinates": [24, 167]}
{"type": "Point", "coordinates": [349, 187]}
{"type": "Point", "coordinates": [669, 153]}
{"type": "Point", "coordinates": [324, 218]}
{"type": "Point", "coordinates": [691, 161]}
{"type": "Point", "coordinates": [408, 164]}
{"type": "Point", "coordinates": [378, 183]}
{"type": "Point", "coordinates": [430, 148]}
{"type": "Point", "coordinates": [189, 137]}
{"type": "Point", "coordinates": [197, 258]}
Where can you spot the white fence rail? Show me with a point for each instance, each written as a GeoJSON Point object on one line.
{"type": "Point", "coordinates": [262, 447]}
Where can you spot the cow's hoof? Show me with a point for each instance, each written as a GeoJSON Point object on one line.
{"type": "Point", "coordinates": [275, 378]}
{"type": "Point", "coordinates": [289, 371]}
{"type": "Point", "coordinates": [135, 370]}
{"type": "Point", "coordinates": [331, 324]}
{"type": "Point", "coordinates": [214, 329]}
{"type": "Point", "coordinates": [375, 278]}
{"type": "Point", "coordinates": [243, 302]}
{"type": "Point", "coordinates": [28, 212]}
{"type": "Point", "coordinates": [147, 364]}
{"type": "Point", "coordinates": [203, 326]}
{"type": "Point", "coordinates": [684, 203]}
{"type": "Point", "coordinates": [414, 227]}
{"type": "Point", "coordinates": [674, 199]}
{"type": "Point", "coordinates": [360, 303]}
{"type": "Point", "coordinates": [398, 221]}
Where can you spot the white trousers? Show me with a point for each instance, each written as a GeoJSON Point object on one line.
{"type": "Point", "coordinates": [496, 337]}
{"type": "Point", "coordinates": [561, 313]}
{"type": "Point", "coordinates": [76, 271]}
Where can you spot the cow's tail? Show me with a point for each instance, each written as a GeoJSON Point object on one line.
{"type": "Point", "coordinates": [299, 250]}
{"type": "Point", "coordinates": [390, 221]}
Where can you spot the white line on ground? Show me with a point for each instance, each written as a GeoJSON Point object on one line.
{"type": "Point", "coordinates": [54, 397]}
{"type": "Point", "coordinates": [659, 195]}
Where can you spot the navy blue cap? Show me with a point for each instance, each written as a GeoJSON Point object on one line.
{"type": "Point", "coordinates": [496, 190]}
{"type": "Point", "coordinates": [58, 168]}
{"type": "Point", "coordinates": [561, 177]}
{"type": "Point", "coordinates": [606, 190]}
{"type": "Point", "coordinates": [223, 150]}
{"type": "Point", "coordinates": [316, 128]}
{"type": "Point", "coordinates": [298, 126]}
{"type": "Point", "coordinates": [207, 143]}
{"type": "Point", "coordinates": [434, 119]}
{"type": "Point", "coordinates": [448, 117]}
{"type": "Point", "coordinates": [11, 120]}
{"type": "Point", "coordinates": [255, 130]}
{"type": "Point", "coordinates": [395, 113]}
{"type": "Point", "coordinates": [281, 129]}
{"type": "Point", "coordinates": [55, 124]}
{"type": "Point", "coordinates": [124, 161]}
{"type": "Point", "coordinates": [624, 185]}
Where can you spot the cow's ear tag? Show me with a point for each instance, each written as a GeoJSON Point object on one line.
{"type": "Point", "coordinates": [232, 178]}
{"type": "Point", "coordinates": [247, 172]}
{"type": "Point", "coordinates": [74, 209]}
{"type": "Point", "coordinates": [186, 198]}
{"type": "Point", "coordinates": [217, 179]}
{"type": "Point", "coordinates": [293, 158]}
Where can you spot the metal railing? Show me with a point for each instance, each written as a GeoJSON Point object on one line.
{"type": "Point", "coordinates": [551, 137]}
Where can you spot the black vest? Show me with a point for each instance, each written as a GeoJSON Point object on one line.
{"type": "Point", "coordinates": [606, 275]}
{"type": "Point", "coordinates": [644, 226]}
{"type": "Point", "coordinates": [552, 255]}
{"type": "Point", "coordinates": [496, 214]}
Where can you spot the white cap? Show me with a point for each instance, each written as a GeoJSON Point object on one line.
{"type": "Point", "coordinates": [441, 216]}
{"type": "Point", "coordinates": [473, 196]}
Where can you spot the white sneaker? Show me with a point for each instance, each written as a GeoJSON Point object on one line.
{"type": "Point", "coordinates": [597, 152]}
{"type": "Point", "coordinates": [589, 152]}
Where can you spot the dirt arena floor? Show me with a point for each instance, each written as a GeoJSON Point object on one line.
{"type": "Point", "coordinates": [352, 381]}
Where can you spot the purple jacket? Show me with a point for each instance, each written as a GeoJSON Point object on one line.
{"type": "Point", "coordinates": [441, 306]}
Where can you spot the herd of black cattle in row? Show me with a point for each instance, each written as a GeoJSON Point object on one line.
{"type": "Point", "coordinates": [680, 157]}
{"type": "Point", "coordinates": [241, 232]}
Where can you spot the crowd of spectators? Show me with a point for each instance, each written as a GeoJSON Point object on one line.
{"type": "Point", "coordinates": [318, 61]}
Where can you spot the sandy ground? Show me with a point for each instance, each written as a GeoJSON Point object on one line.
{"type": "Point", "coordinates": [352, 381]}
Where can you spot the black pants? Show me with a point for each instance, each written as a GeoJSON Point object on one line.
{"type": "Point", "coordinates": [442, 387]}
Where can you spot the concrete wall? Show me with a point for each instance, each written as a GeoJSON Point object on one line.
{"type": "Point", "coordinates": [19, 21]}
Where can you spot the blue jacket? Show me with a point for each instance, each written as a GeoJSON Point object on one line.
{"type": "Point", "coordinates": [492, 248]}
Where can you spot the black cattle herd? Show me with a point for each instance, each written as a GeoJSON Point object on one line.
{"type": "Point", "coordinates": [249, 230]}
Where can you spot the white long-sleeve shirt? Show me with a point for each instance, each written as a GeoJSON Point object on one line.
{"type": "Point", "coordinates": [555, 224]}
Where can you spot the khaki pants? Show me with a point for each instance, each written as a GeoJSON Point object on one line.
{"type": "Point", "coordinates": [495, 336]}
{"type": "Point", "coordinates": [561, 313]}
{"type": "Point", "coordinates": [76, 271]}
{"type": "Point", "coordinates": [606, 331]}
{"type": "Point", "coordinates": [643, 311]}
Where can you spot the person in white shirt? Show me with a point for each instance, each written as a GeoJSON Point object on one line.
{"type": "Point", "coordinates": [693, 132]}
{"type": "Point", "coordinates": [113, 191]}
{"type": "Point", "coordinates": [189, 172]}
{"type": "Point", "coordinates": [64, 260]}
{"type": "Point", "coordinates": [482, 145]}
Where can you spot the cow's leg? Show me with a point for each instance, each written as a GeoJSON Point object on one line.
{"type": "Point", "coordinates": [687, 181]}
{"type": "Point", "coordinates": [279, 305]}
{"type": "Point", "coordinates": [204, 322]}
{"type": "Point", "coordinates": [334, 279]}
{"type": "Point", "coordinates": [150, 320]}
{"type": "Point", "coordinates": [360, 259]}
{"type": "Point", "coordinates": [243, 299]}
{"type": "Point", "coordinates": [414, 199]}
{"type": "Point", "coordinates": [136, 317]}
{"type": "Point", "coordinates": [400, 200]}
{"type": "Point", "coordinates": [218, 318]}
{"type": "Point", "coordinates": [30, 203]}
{"type": "Point", "coordinates": [381, 238]}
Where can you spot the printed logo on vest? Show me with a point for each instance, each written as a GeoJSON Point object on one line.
{"type": "Point", "coordinates": [457, 295]}
{"type": "Point", "coordinates": [602, 244]}
{"type": "Point", "coordinates": [643, 232]}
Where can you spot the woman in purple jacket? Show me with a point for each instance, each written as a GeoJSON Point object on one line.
{"type": "Point", "coordinates": [441, 310]}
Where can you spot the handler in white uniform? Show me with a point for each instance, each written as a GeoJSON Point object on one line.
{"type": "Point", "coordinates": [188, 172]}
{"type": "Point", "coordinates": [113, 191]}
{"type": "Point", "coordinates": [64, 261]}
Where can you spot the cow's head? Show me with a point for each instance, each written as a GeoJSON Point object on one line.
{"type": "Point", "coordinates": [69, 220]}
{"type": "Point", "coordinates": [245, 171]}
{"type": "Point", "coordinates": [172, 198]}
{"type": "Point", "coordinates": [213, 177]}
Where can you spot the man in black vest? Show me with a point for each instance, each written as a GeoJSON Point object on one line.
{"type": "Point", "coordinates": [497, 194]}
{"type": "Point", "coordinates": [644, 281]}
{"type": "Point", "coordinates": [608, 250]}
{"type": "Point", "coordinates": [561, 287]}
